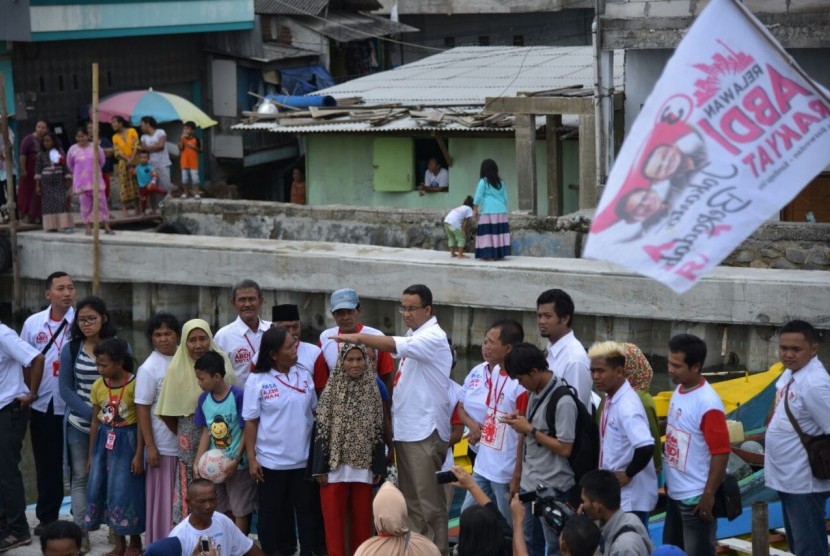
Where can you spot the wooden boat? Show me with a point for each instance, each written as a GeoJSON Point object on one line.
{"type": "Point", "coordinates": [747, 399]}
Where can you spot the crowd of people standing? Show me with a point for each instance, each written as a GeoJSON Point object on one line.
{"type": "Point", "coordinates": [48, 173]}
{"type": "Point", "coordinates": [308, 432]}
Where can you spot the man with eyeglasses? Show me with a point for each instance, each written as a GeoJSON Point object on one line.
{"type": "Point", "coordinates": [420, 409]}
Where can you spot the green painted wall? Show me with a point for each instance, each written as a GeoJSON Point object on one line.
{"type": "Point", "coordinates": [339, 171]}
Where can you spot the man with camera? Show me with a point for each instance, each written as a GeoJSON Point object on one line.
{"type": "Point", "coordinates": [542, 458]}
{"type": "Point", "coordinates": [802, 408]}
{"type": "Point", "coordinates": [624, 532]}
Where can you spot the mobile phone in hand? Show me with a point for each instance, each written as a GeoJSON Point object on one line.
{"type": "Point", "coordinates": [444, 477]}
{"type": "Point", "coordinates": [204, 543]}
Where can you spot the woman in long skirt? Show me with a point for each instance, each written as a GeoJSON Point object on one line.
{"type": "Point", "coordinates": [53, 187]}
{"type": "Point", "coordinates": [490, 209]}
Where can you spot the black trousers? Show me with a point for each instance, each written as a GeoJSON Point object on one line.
{"type": "Point", "coordinates": [13, 422]}
{"type": "Point", "coordinates": [289, 504]}
{"type": "Point", "coordinates": [46, 430]}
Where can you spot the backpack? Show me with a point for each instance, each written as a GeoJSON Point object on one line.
{"type": "Point", "coordinates": [585, 453]}
{"type": "Point", "coordinates": [629, 529]}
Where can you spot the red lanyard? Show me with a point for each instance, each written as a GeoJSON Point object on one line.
{"type": "Point", "coordinates": [295, 388]}
{"type": "Point", "coordinates": [52, 335]}
{"type": "Point", "coordinates": [121, 395]}
{"type": "Point", "coordinates": [253, 350]}
{"type": "Point", "coordinates": [498, 391]}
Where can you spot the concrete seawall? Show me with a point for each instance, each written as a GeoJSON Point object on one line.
{"type": "Point", "coordinates": [777, 245]}
{"type": "Point", "coordinates": [734, 309]}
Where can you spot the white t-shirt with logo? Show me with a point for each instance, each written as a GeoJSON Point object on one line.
{"type": "Point", "coordinates": [624, 428]}
{"type": "Point", "coordinates": [686, 454]}
{"type": "Point", "coordinates": [242, 346]}
{"type": "Point", "coordinates": [284, 405]}
{"type": "Point", "coordinates": [38, 331]}
{"type": "Point", "coordinates": [496, 457]}
{"type": "Point", "coordinates": [148, 381]}
{"type": "Point", "coordinates": [226, 537]}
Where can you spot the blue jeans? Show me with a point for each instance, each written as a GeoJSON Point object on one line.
{"type": "Point", "coordinates": [538, 534]}
{"type": "Point", "coordinates": [497, 492]}
{"type": "Point", "coordinates": [688, 531]}
{"type": "Point", "coordinates": [78, 444]}
{"type": "Point", "coordinates": [804, 522]}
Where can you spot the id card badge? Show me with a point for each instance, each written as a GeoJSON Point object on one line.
{"type": "Point", "coordinates": [110, 440]}
{"type": "Point", "coordinates": [493, 430]}
{"type": "Point", "coordinates": [56, 367]}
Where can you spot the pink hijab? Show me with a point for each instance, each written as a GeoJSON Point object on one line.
{"type": "Point", "coordinates": [391, 521]}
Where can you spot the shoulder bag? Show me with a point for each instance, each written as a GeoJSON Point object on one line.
{"type": "Point", "coordinates": [817, 447]}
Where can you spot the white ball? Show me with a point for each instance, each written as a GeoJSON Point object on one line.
{"type": "Point", "coordinates": [213, 466]}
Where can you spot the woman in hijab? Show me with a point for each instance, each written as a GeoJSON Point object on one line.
{"type": "Point", "coordinates": [391, 521]}
{"type": "Point", "coordinates": [349, 454]}
{"type": "Point", "coordinates": [177, 402]}
{"type": "Point", "coordinates": [639, 373]}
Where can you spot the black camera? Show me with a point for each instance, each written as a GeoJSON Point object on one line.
{"type": "Point", "coordinates": [550, 504]}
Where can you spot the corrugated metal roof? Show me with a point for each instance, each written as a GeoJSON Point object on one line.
{"type": "Point", "coordinates": [462, 78]}
{"type": "Point", "coordinates": [273, 51]}
{"type": "Point", "coordinates": [402, 124]}
{"type": "Point", "coordinates": [467, 75]}
{"type": "Point", "coordinates": [352, 26]}
{"type": "Point", "coordinates": [290, 7]}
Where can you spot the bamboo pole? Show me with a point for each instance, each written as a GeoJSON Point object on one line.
{"type": "Point", "coordinates": [760, 529]}
{"type": "Point", "coordinates": [17, 298]}
{"type": "Point", "coordinates": [96, 195]}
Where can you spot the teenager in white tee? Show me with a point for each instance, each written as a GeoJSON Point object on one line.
{"type": "Point", "coordinates": [224, 537]}
{"type": "Point", "coordinates": [696, 450]}
{"type": "Point", "coordinates": [626, 444]}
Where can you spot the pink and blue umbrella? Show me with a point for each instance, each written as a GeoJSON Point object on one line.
{"type": "Point", "coordinates": [164, 107]}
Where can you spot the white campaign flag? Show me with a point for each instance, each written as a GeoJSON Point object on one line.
{"type": "Point", "coordinates": [732, 131]}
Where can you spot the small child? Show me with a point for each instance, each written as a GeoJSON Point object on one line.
{"type": "Point", "coordinates": [455, 224]}
{"type": "Point", "coordinates": [190, 147]}
{"type": "Point", "coordinates": [115, 490]}
{"type": "Point", "coordinates": [147, 179]}
{"type": "Point", "coordinates": [219, 413]}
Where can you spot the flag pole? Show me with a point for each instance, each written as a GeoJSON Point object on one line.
{"type": "Point", "coordinates": [96, 194]}
{"type": "Point", "coordinates": [11, 199]}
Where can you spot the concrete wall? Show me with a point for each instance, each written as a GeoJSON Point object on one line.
{"type": "Point", "coordinates": [647, 24]}
{"type": "Point", "coordinates": [563, 28]}
{"type": "Point", "coordinates": [780, 245]}
{"type": "Point", "coordinates": [418, 228]}
{"type": "Point", "coordinates": [681, 8]}
{"type": "Point", "coordinates": [787, 245]}
{"type": "Point", "coordinates": [339, 171]}
{"type": "Point", "coordinates": [735, 310]}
